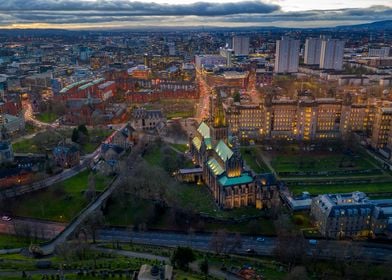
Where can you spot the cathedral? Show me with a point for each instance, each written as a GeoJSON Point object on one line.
{"type": "Point", "coordinates": [218, 154]}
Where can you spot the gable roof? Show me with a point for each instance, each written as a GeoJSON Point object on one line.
{"type": "Point", "coordinates": [215, 167]}
{"type": "Point", "coordinates": [223, 151]}
{"type": "Point", "coordinates": [204, 130]}
{"type": "Point", "coordinates": [197, 143]}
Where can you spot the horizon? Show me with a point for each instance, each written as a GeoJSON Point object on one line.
{"type": "Point", "coordinates": [124, 14]}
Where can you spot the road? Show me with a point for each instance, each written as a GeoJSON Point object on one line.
{"type": "Point", "coordinates": [328, 248]}
{"type": "Point", "coordinates": [203, 107]}
{"type": "Point", "coordinates": [29, 116]}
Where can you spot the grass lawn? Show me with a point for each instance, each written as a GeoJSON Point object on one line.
{"type": "Point", "coordinates": [154, 155]}
{"type": "Point", "coordinates": [49, 139]}
{"type": "Point", "coordinates": [320, 189]}
{"type": "Point", "coordinates": [47, 117]}
{"type": "Point", "coordinates": [133, 212]}
{"type": "Point", "coordinates": [12, 241]}
{"type": "Point", "coordinates": [26, 146]}
{"type": "Point", "coordinates": [181, 147]}
{"type": "Point", "coordinates": [194, 197]}
{"type": "Point", "coordinates": [42, 141]}
{"type": "Point", "coordinates": [252, 158]}
{"type": "Point", "coordinates": [319, 162]}
{"type": "Point", "coordinates": [60, 202]}
{"type": "Point", "coordinates": [96, 135]}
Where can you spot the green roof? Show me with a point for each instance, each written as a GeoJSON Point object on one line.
{"type": "Point", "coordinates": [243, 179]}
{"type": "Point", "coordinates": [204, 130]}
{"type": "Point", "coordinates": [208, 143]}
{"type": "Point", "coordinates": [223, 151]}
{"type": "Point", "coordinates": [65, 89]}
{"type": "Point", "coordinates": [85, 86]}
{"type": "Point", "coordinates": [97, 81]}
{"type": "Point", "coordinates": [215, 167]}
{"type": "Point", "coordinates": [197, 143]}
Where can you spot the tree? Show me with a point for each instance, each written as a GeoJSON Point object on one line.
{"type": "Point", "coordinates": [219, 241]}
{"type": "Point", "coordinates": [290, 248]}
{"type": "Point", "coordinates": [297, 273]}
{"type": "Point", "coordinates": [90, 192]}
{"type": "Point", "coordinates": [94, 222]}
{"type": "Point", "coordinates": [75, 135]}
{"type": "Point", "coordinates": [182, 256]}
{"type": "Point", "coordinates": [204, 267]}
{"type": "Point", "coordinates": [237, 97]}
{"type": "Point", "coordinates": [83, 129]}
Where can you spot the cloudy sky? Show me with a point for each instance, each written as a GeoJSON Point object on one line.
{"type": "Point", "coordinates": [107, 14]}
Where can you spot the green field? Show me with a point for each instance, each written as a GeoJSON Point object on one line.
{"type": "Point", "coordinates": [11, 241]}
{"type": "Point", "coordinates": [181, 147]}
{"type": "Point", "coordinates": [343, 188]}
{"type": "Point", "coordinates": [319, 162]}
{"type": "Point", "coordinates": [185, 114]}
{"type": "Point", "coordinates": [154, 155]}
{"type": "Point", "coordinates": [252, 158]}
{"type": "Point", "coordinates": [47, 140]}
{"type": "Point", "coordinates": [47, 117]}
{"type": "Point", "coordinates": [60, 202]}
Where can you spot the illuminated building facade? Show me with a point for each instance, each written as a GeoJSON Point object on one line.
{"type": "Point", "coordinates": [350, 215]}
{"type": "Point", "coordinates": [308, 119]}
{"type": "Point", "coordinates": [382, 132]}
{"type": "Point", "coordinates": [219, 156]}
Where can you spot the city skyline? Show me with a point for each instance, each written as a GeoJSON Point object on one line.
{"type": "Point", "coordinates": [123, 14]}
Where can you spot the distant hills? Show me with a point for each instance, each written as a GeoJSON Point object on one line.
{"type": "Point", "coordinates": [378, 25]}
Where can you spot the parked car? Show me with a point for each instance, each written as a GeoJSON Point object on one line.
{"type": "Point", "coordinates": [312, 241]}
{"type": "Point", "coordinates": [6, 218]}
{"type": "Point", "coordinates": [260, 239]}
{"type": "Point", "coordinates": [250, 251]}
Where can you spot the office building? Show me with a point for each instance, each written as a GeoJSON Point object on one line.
{"type": "Point", "coordinates": [312, 51]}
{"type": "Point", "coordinates": [331, 56]}
{"type": "Point", "coordinates": [241, 45]}
{"type": "Point", "coordinates": [287, 55]}
{"type": "Point", "coordinates": [381, 52]}
{"type": "Point", "coordinates": [209, 60]}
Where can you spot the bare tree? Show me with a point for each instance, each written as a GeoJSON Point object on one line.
{"type": "Point", "coordinates": [94, 222]}
{"type": "Point", "coordinates": [219, 241]}
{"type": "Point", "coordinates": [290, 247]}
{"type": "Point", "coordinates": [90, 192]}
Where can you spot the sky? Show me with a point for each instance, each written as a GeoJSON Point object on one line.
{"type": "Point", "coordinates": [115, 14]}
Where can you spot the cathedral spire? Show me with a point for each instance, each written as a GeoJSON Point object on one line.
{"type": "Point", "coordinates": [219, 119]}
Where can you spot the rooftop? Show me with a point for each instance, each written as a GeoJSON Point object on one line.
{"type": "Point", "coordinates": [232, 181]}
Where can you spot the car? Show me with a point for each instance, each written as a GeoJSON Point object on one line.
{"type": "Point", "coordinates": [260, 239]}
{"type": "Point", "coordinates": [312, 241]}
{"type": "Point", "coordinates": [6, 218]}
{"type": "Point", "coordinates": [250, 251]}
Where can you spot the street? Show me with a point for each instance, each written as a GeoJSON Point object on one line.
{"type": "Point", "coordinates": [329, 249]}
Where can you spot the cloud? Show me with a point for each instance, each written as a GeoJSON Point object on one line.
{"type": "Point", "coordinates": [142, 8]}
{"type": "Point", "coordinates": [122, 14]}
